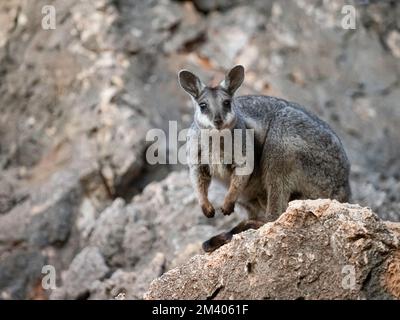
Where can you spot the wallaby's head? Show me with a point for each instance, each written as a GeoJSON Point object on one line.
{"type": "Point", "coordinates": [213, 108]}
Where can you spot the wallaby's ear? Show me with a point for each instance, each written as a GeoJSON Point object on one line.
{"type": "Point", "coordinates": [233, 79]}
{"type": "Point", "coordinates": [190, 83]}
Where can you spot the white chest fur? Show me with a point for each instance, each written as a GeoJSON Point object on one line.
{"type": "Point", "coordinates": [221, 162]}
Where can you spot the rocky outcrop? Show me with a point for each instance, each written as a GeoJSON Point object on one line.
{"type": "Point", "coordinates": [317, 249]}
{"type": "Point", "coordinates": [137, 242]}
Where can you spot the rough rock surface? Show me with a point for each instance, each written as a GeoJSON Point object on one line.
{"type": "Point", "coordinates": [87, 267]}
{"type": "Point", "coordinates": [161, 228]}
{"type": "Point", "coordinates": [310, 252]}
{"type": "Point", "coordinates": [77, 102]}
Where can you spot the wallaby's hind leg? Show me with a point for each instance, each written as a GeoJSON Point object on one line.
{"type": "Point", "coordinates": [255, 209]}
{"type": "Point", "coordinates": [219, 240]}
{"type": "Point", "coordinates": [278, 199]}
{"type": "Point", "coordinates": [344, 194]}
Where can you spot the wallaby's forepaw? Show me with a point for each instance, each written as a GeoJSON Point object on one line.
{"type": "Point", "coordinates": [208, 210]}
{"type": "Point", "coordinates": [217, 241]}
{"type": "Point", "coordinates": [228, 208]}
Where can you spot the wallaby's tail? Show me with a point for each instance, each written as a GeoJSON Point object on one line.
{"type": "Point", "coordinates": [219, 240]}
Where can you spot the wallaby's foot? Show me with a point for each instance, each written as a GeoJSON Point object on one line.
{"type": "Point", "coordinates": [208, 210]}
{"type": "Point", "coordinates": [228, 208]}
{"type": "Point", "coordinates": [246, 225]}
{"type": "Point", "coordinates": [219, 240]}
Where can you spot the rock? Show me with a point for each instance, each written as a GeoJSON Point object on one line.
{"type": "Point", "coordinates": [128, 285]}
{"type": "Point", "coordinates": [108, 232]}
{"type": "Point", "coordinates": [190, 32]}
{"type": "Point", "coordinates": [211, 5]}
{"type": "Point", "coordinates": [394, 226]}
{"type": "Point", "coordinates": [318, 249]}
{"type": "Point", "coordinates": [166, 15]}
{"type": "Point", "coordinates": [10, 196]}
{"type": "Point", "coordinates": [162, 227]}
{"type": "Point", "coordinates": [391, 279]}
{"type": "Point", "coordinates": [138, 240]}
{"type": "Point", "coordinates": [229, 33]}
{"type": "Point", "coordinates": [155, 268]}
{"type": "Point", "coordinates": [87, 267]}
{"type": "Point", "coordinates": [164, 218]}
{"type": "Point", "coordinates": [52, 223]}
{"type": "Point", "coordinates": [393, 42]}
{"type": "Point", "coordinates": [46, 216]}
{"type": "Point", "coordinates": [172, 213]}
{"type": "Point", "coordinates": [19, 272]}
{"type": "Point", "coordinates": [119, 284]}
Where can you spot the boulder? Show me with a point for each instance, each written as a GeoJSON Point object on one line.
{"type": "Point", "coordinates": [138, 241]}
{"type": "Point", "coordinates": [87, 267]}
{"type": "Point", "coordinates": [318, 249]}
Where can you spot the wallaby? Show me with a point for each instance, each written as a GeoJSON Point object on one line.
{"type": "Point", "coordinates": [296, 154]}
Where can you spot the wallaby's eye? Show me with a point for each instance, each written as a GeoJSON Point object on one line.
{"type": "Point", "coordinates": [203, 106]}
{"type": "Point", "coordinates": [227, 105]}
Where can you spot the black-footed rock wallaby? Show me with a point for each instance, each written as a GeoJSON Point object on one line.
{"type": "Point", "coordinates": [296, 155]}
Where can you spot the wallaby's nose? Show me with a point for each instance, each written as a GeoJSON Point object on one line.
{"type": "Point", "coordinates": [218, 123]}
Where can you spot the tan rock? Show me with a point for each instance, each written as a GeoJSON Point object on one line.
{"type": "Point", "coordinates": [318, 249]}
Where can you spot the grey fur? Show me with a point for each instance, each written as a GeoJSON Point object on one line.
{"type": "Point", "coordinates": [297, 155]}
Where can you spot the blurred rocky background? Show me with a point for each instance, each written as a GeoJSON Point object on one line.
{"type": "Point", "coordinates": [77, 102]}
